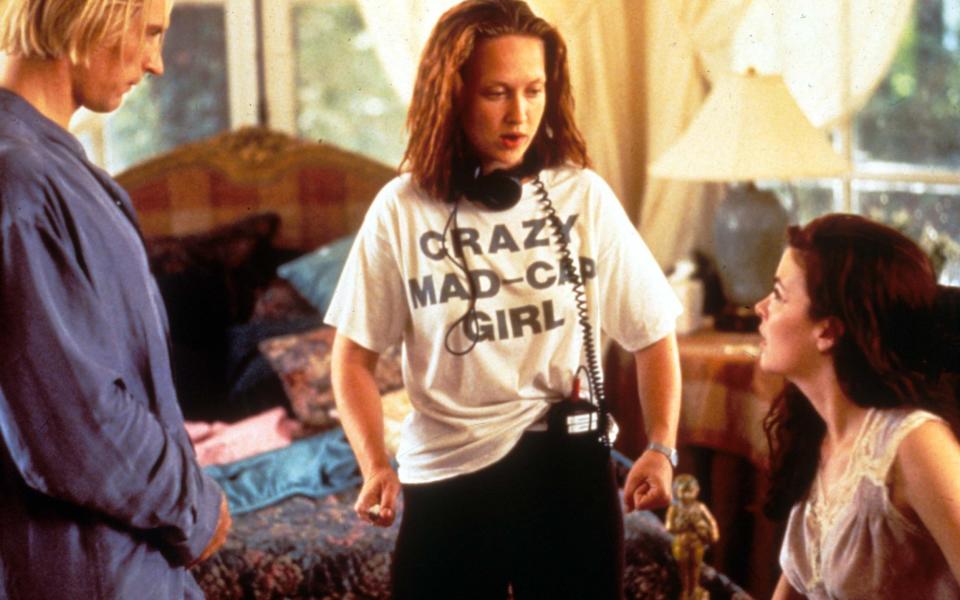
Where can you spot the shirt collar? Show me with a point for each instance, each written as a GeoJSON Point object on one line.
{"type": "Point", "coordinates": [36, 123]}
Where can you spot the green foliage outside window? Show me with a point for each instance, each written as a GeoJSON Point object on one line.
{"type": "Point", "coordinates": [343, 95]}
{"type": "Point", "coordinates": [914, 117]}
{"type": "Point", "coordinates": [912, 123]}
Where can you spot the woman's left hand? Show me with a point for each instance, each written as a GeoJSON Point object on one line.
{"type": "Point", "coordinates": [648, 483]}
{"type": "Point", "coordinates": [658, 385]}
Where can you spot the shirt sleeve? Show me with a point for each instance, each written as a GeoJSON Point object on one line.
{"type": "Point", "coordinates": [368, 305]}
{"type": "Point", "coordinates": [639, 306]}
{"type": "Point", "coordinates": [68, 417]}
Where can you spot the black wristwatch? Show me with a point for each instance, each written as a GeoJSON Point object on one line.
{"type": "Point", "coordinates": [670, 453]}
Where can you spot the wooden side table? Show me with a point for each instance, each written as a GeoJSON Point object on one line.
{"type": "Point", "coordinates": [725, 395]}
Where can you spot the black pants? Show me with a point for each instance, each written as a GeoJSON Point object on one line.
{"type": "Point", "coordinates": [545, 520]}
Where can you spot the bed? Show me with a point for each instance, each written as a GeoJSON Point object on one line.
{"type": "Point", "coordinates": [245, 231]}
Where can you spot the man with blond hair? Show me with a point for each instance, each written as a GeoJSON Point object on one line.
{"type": "Point", "coordinates": [100, 492]}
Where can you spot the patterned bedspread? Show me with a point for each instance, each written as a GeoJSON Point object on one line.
{"type": "Point", "coordinates": [318, 549]}
{"type": "Point", "coordinates": [301, 548]}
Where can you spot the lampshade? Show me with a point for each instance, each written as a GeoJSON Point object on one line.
{"type": "Point", "coordinates": [749, 127]}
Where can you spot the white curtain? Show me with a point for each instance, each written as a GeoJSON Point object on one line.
{"type": "Point", "coordinates": [687, 42]}
{"type": "Point", "coordinates": [606, 87]}
{"type": "Point", "coordinates": [400, 29]}
{"type": "Point", "coordinates": [832, 55]}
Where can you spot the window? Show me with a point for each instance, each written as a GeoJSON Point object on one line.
{"type": "Point", "coordinates": [325, 81]}
{"type": "Point", "coordinates": [321, 80]}
{"type": "Point", "coordinates": [904, 145]}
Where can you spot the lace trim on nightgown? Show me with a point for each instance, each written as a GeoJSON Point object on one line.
{"type": "Point", "coordinates": [824, 513]}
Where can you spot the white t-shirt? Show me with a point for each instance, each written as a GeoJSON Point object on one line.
{"type": "Point", "coordinates": [398, 286]}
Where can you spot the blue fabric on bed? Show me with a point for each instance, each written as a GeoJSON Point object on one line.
{"type": "Point", "coordinates": [315, 466]}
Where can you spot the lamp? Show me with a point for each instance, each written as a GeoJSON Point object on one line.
{"type": "Point", "coordinates": [749, 127]}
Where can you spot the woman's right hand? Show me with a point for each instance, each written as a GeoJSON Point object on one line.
{"type": "Point", "coordinates": [377, 501]}
{"type": "Point", "coordinates": [361, 414]}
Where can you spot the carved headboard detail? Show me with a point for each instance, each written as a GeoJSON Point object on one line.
{"type": "Point", "coordinates": [320, 192]}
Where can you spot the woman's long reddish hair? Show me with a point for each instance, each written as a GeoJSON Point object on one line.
{"type": "Point", "coordinates": [437, 141]}
{"type": "Point", "coordinates": [880, 287]}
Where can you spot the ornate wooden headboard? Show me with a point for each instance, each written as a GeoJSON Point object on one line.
{"type": "Point", "coordinates": [320, 192]}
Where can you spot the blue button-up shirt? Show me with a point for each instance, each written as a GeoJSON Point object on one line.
{"type": "Point", "coordinates": [100, 493]}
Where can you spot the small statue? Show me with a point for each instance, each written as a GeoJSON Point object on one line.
{"type": "Point", "coordinates": [693, 529]}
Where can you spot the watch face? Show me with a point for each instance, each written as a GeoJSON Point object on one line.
{"type": "Point", "coordinates": [671, 458]}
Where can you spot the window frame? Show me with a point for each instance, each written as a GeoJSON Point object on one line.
{"type": "Point", "coordinates": [878, 175]}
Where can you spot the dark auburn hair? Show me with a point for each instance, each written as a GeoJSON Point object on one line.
{"type": "Point", "coordinates": [880, 288]}
{"type": "Point", "coordinates": [436, 137]}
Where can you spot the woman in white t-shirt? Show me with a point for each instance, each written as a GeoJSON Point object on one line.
{"type": "Point", "coordinates": [864, 462]}
{"type": "Point", "coordinates": [476, 259]}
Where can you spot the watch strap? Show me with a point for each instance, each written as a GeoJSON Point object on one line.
{"type": "Point", "coordinates": [670, 453]}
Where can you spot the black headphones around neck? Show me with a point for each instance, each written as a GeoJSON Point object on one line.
{"type": "Point", "coordinates": [498, 190]}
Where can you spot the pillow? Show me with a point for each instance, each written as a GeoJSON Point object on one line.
{"type": "Point", "coordinates": [251, 382]}
{"type": "Point", "coordinates": [315, 274]}
{"type": "Point", "coordinates": [280, 301]}
{"type": "Point", "coordinates": [239, 258]}
{"type": "Point", "coordinates": [208, 281]}
{"type": "Point", "coordinates": [302, 361]}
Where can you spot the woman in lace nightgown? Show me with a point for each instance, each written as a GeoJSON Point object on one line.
{"type": "Point", "coordinates": [864, 461]}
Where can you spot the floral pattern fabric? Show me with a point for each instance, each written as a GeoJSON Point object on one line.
{"type": "Point", "coordinates": [302, 361]}
{"type": "Point", "coordinates": [318, 549]}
